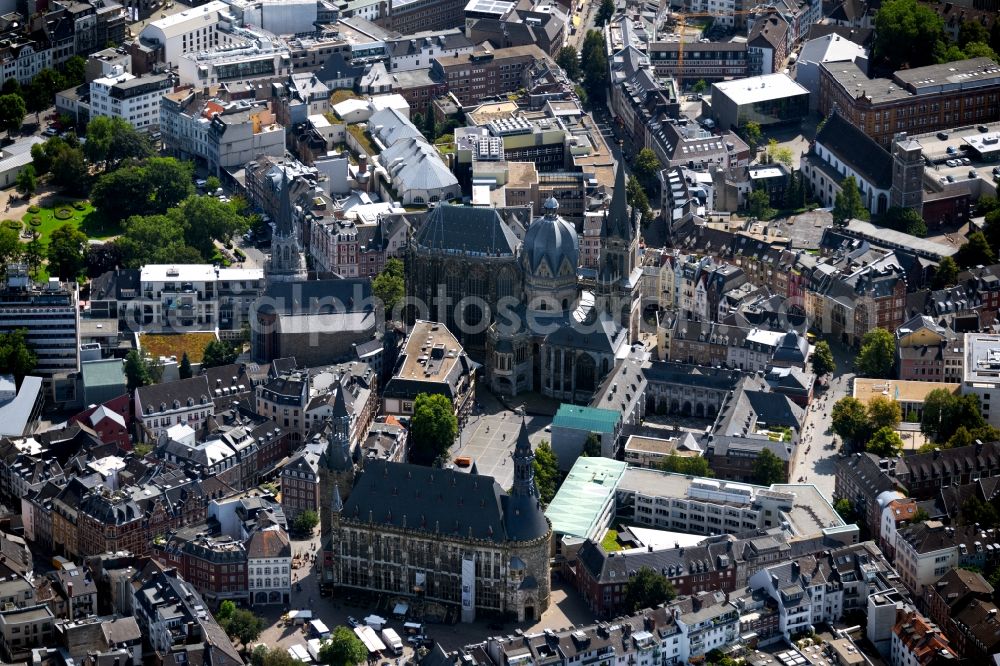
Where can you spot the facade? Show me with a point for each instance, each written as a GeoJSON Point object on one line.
{"type": "Point", "coordinates": [929, 352]}
{"type": "Point", "coordinates": [927, 551]}
{"type": "Point", "coordinates": [918, 100]}
{"type": "Point", "coordinates": [918, 642]}
{"type": "Point", "coordinates": [195, 297]}
{"type": "Point", "coordinates": [284, 398]}
{"type": "Point", "coordinates": [474, 75]}
{"type": "Point", "coordinates": [769, 100]}
{"type": "Point", "coordinates": [300, 484]}
{"type": "Point", "coordinates": [182, 402]}
{"type": "Point", "coordinates": [133, 99]}
{"type": "Point", "coordinates": [269, 566]}
{"type": "Point", "coordinates": [714, 61]}
{"type": "Point", "coordinates": [401, 531]}
{"type": "Point", "coordinates": [982, 372]}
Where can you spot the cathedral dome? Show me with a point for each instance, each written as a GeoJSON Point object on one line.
{"type": "Point", "coordinates": [551, 239]}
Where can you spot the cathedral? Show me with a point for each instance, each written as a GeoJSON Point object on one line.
{"type": "Point", "coordinates": [523, 307]}
{"type": "Point", "coordinates": [287, 262]}
{"type": "Point", "coordinates": [453, 538]}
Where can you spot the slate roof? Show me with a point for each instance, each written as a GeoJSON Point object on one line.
{"type": "Point", "coordinates": [153, 396]}
{"type": "Point", "coordinates": [956, 586]}
{"type": "Point", "coordinates": [467, 229]}
{"type": "Point", "coordinates": [855, 148]}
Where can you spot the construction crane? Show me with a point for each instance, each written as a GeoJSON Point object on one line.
{"type": "Point", "coordinates": [681, 19]}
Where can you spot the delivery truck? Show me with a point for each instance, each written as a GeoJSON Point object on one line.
{"type": "Point", "coordinates": [392, 641]}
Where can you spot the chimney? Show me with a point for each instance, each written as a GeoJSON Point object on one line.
{"type": "Point", "coordinates": [362, 163]}
{"type": "Point", "coordinates": [69, 600]}
{"type": "Point", "coordinates": [795, 569]}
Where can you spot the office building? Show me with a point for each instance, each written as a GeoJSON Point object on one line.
{"type": "Point", "coordinates": [772, 99]}
{"type": "Point", "coordinates": [131, 98]}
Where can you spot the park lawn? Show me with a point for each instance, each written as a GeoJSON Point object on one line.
{"type": "Point", "coordinates": [89, 221]}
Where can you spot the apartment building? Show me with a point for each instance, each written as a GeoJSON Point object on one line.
{"type": "Point", "coordinates": [300, 484]}
{"type": "Point", "coordinates": [195, 296]}
{"type": "Point", "coordinates": [51, 318]}
{"type": "Point", "coordinates": [260, 60]}
{"type": "Point", "coordinates": [713, 61]}
{"type": "Point", "coordinates": [482, 73]}
{"type": "Point", "coordinates": [195, 29]}
{"type": "Point", "coordinates": [24, 629]}
{"type": "Point", "coordinates": [269, 566]}
{"type": "Point", "coordinates": [284, 398]}
{"type": "Point", "coordinates": [916, 641]}
{"type": "Point", "coordinates": [927, 551]}
{"type": "Point", "coordinates": [918, 100]}
{"type": "Point", "coordinates": [215, 565]}
{"type": "Point", "coordinates": [407, 17]}
{"type": "Point", "coordinates": [132, 98]}
{"type": "Point", "coordinates": [929, 352]}
{"type": "Point", "coordinates": [418, 51]}
{"type": "Point", "coordinates": [160, 406]}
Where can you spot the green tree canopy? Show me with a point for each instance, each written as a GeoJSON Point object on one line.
{"type": "Point", "coordinates": [595, 67]}
{"type": "Point", "coordinates": [151, 239]}
{"type": "Point", "coordinates": [906, 220]}
{"type": "Point", "coordinates": [432, 429]}
{"type": "Point", "coordinates": [140, 370]}
{"type": "Point", "coordinates": [849, 420]}
{"type": "Point", "coordinates": [884, 413]}
{"type": "Point", "coordinates": [569, 60]}
{"type": "Point", "coordinates": [184, 369]}
{"type": "Point", "coordinates": [752, 133]}
{"type": "Point", "coordinates": [243, 626]}
{"type": "Point", "coordinates": [768, 469]}
{"type": "Point", "coordinates": [759, 204]}
{"type": "Point", "coordinates": [41, 92]}
{"type": "Point", "coordinates": [26, 183]}
{"type": "Point", "coordinates": [878, 354]}
{"type": "Point", "coordinates": [648, 589]}
{"type": "Point", "coordinates": [67, 252]}
{"type": "Point", "coordinates": [218, 353]}
{"type": "Point", "coordinates": [226, 610]}
{"type": "Point", "coordinates": [170, 180]}
{"type": "Point", "coordinates": [822, 359]}
{"type": "Point", "coordinates": [10, 248]}
{"type": "Point", "coordinates": [847, 204]}
{"type": "Point", "coordinates": [845, 509]}
{"type": "Point", "coordinates": [12, 113]}
{"type": "Point", "coordinates": [305, 522]}
{"type": "Point", "coordinates": [343, 648]}
{"type": "Point", "coordinates": [972, 31]}
{"type": "Point", "coordinates": [69, 170]}
{"type": "Point", "coordinates": [646, 167]}
{"type": "Point", "coordinates": [75, 71]}
{"type": "Point", "coordinates": [263, 655]}
{"type": "Point", "coordinates": [206, 219]}
{"type": "Point", "coordinates": [636, 197]}
{"type": "Point", "coordinates": [980, 50]}
{"type": "Point", "coordinates": [16, 355]}
{"type": "Point", "coordinates": [886, 443]}
{"type": "Point", "coordinates": [592, 446]}
{"type": "Point", "coordinates": [113, 140]}
{"type": "Point", "coordinates": [975, 251]}
{"type": "Point", "coordinates": [546, 466]}
{"type": "Point", "coordinates": [389, 286]}
{"type": "Point", "coordinates": [946, 273]}
{"type": "Point", "coordinates": [906, 33]}
{"type": "Point", "coordinates": [700, 86]}
{"type": "Point", "coordinates": [944, 412]}
{"type": "Point", "coordinates": [605, 12]}
{"type": "Point", "coordinates": [122, 194]}
{"type": "Point", "coordinates": [687, 465]}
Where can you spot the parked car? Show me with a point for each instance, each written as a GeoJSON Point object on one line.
{"type": "Point", "coordinates": [50, 131]}
{"type": "Point", "coordinates": [996, 171]}
{"type": "Point", "coordinates": [352, 622]}
{"type": "Point", "coordinates": [973, 174]}
{"type": "Point", "coordinates": [951, 179]}
{"type": "Point", "coordinates": [951, 163]}
{"type": "Point", "coordinates": [966, 161]}
{"type": "Point", "coordinates": [943, 136]}
{"type": "Point", "coordinates": [951, 150]}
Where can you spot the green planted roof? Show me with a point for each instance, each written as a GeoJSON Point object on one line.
{"type": "Point", "coordinates": [591, 419]}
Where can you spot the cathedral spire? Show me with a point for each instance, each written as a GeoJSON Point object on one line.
{"type": "Point", "coordinates": [336, 504]}
{"type": "Point", "coordinates": [616, 218]}
{"type": "Point", "coordinates": [524, 470]}
{"type": "Point", "coordinates": [285, 223]}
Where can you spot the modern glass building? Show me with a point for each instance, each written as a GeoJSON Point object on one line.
{"type": "Point", "coordinates": [773, 99]}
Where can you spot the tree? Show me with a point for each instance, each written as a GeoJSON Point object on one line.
{"type": "Point", "coordinates": [944, 413]}
{"type": "Point", "coordinates": [243, 626]}
{"type": "Point", "coordinates": [700, 87]}
{"type": "Point", "coordinates": [961, 437]}
{"type": "Point", "coordinates": [40, 94]}
{"type": "Point", "coordinates": [305, 522]}
{"type": "Point", "coordinates": [10, 248]}
{"type": "Point", "coordinates": [34, 253]}
{"type": "Point", "coordinates": [69, 170]}
{"type": "Point", "coordinates": [12, 113]}
{"type": "Point", "coordinates": [648, 588]}
{"type": "Point", "coordinates": [40, 159]}
{"type": "Point", "coordinates": [102, 257]}
{"type": "Point", "coordinates": [592, 446]}
{"type": "Point", "coordinates": [26, 183]}
{"type": "Point", "coordinates": [795, 193]}
{"type": "Point", "coordinates": [148, 239]}
{"type": "Point", "coordinates": [112, 140]}
{"type": "Point", "coordinates": [886, 443]}
{"type": "Point", "coordinates": [883, 413]}
{"type": "Point", "coordinates": [207, 219]}
{"type": "Point", "coordinates": [212, 183]}
{"type": "Point", "coordinates": [263, 655]}
{"type": "Point", "coordinates": [226, 610]}
{"type": "Point", "coordinates": [687, 465]}
{"type": "Point", "coordinates": [11, 87]}
{"type": "Point", "coordinates": [980, 50]}
{"type": "Point", "coordinates": [646, 167]}
{"type": "Point", "coordinates": [878, 354]}
{"type": "Point", "coordinates": [594, 61]}
{"type": "Point", "coordinates": [945, 52]}
{"type": "Point", "coordinates": [849, 420]}
{"type": "Point", "coordinates": [975, 251]}
{"type": "Point", "coordinates": [343, 648]}
{"type": "Point", "coordinates": [635, 194]}
{"type": "Point", "coordinates": [759, 204]}
{"type": "Point", "coordinates": [972, 31]}
{"type": "Point", "coordinates": [75, 71]}
{"type": "Point", "coordinates": [946, 273]}
{"type": "Point", "coordinates": [170, 180]}
{"type": "Point", "coordinates": [66, 252]}
{"type": "Point", "coordinates": [218, 353]}
{"type": "Point", "coordinates": [605, 12]}
{"type": "Point", "coordinates": [975, 510]}
{"type": "Point", "coordinates": [906, 220]}
{"type": "Point", "coordinates": [16, 356]}
{"type": "Point", "coordinates": [569, 60]}
{"type": "Point", "coordinates": [906, 33]}
{"type": "Point", "coordinates": [845, 509]}
{"type": "Point", "coordinates": [140, 370]}
{"type": "Point", "coordinates": [389, 285]}
{"type": "Point", "coordinates": [752, 135]}
{"type": "Point", "coordinates": [822, 359]}
{"type": "Point", "coordinates": [546, 466]}
{"type": "Point", "coordinates": [121, 194]}
{"type": "Point", "coordinates": [184, 369]}
{"type": "Point", "coordinates": [847, 204]}
{"type": "Point", "coordinates": [432, 429]}
{"type": "Point", "coordinates": [768, 469]}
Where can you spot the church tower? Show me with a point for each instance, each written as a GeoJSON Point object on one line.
{"type": "Point", "coordinates": [907, 173]}
{"type": "Point", "coordinates": [336, 478]}
{"type": "Point", "coordinates": [619, 274]}
{"type": "Point", "coordinates": [287, 262]}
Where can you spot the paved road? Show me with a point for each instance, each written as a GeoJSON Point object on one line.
{"type": "Point", "coordinates": [817, 455]}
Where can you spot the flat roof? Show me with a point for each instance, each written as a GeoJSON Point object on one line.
{"type": "Point", "coordinates": [110, 372]}
{"type": "Point", "coordinates": [982, 359]}
{"type": "Point", "coordinates": [897, 389]}
{"type": "Point", "coordinates": [760, 88]}
{"type": "Point", "coordinates": [586, 418]}
{"type": "Point", "coordinates": [189, 19]}
{"type": "Point", "coordinates": [15, 415]}
{"type": "Point", "coordinates": [431, 353]}
{"type": "Point", "coordinates": [196, 273]}
{"type": "Point", "coordinates": [583, 496]}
